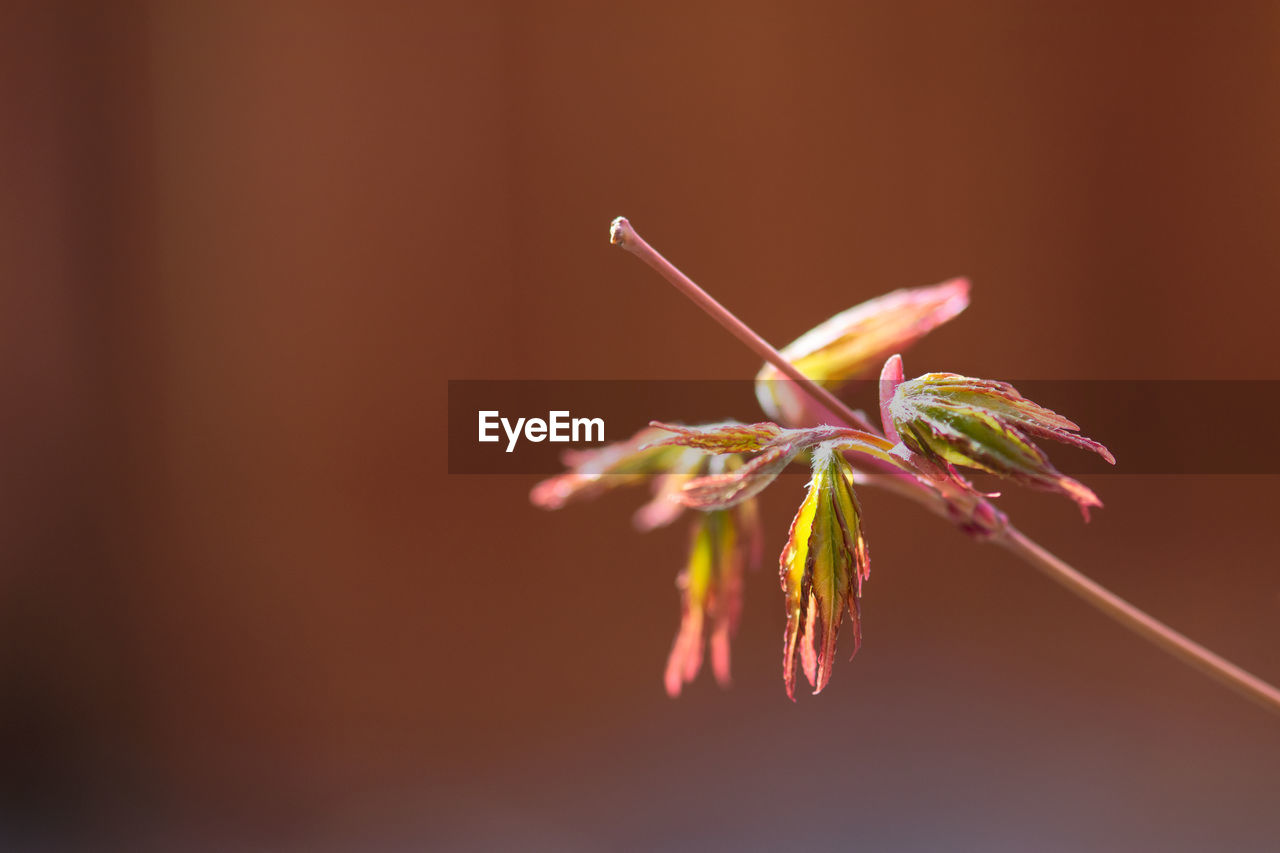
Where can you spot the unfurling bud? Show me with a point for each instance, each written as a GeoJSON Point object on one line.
{"type": "Point", "coordinates": [988, 426]}
{"type": "Point", "coordinates": [853, 343]}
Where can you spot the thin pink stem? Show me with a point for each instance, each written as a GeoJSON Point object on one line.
{"type": "Point", "coordinates": [622, 234]}
{"type": "Point", "coordinates": [1180, 646]}
{"type": "Point", "coordinates": [1145, 625]}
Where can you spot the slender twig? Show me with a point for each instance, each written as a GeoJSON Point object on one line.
{"type": "Point", "coordinates": [1182, 647]}
{"type": "Point", "coordinates": [622, 234]}
{"type": "Point", "coordinates": [1188, 651]}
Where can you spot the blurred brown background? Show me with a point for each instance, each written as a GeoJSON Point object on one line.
{"type": "Point", "coordinates": [244, 245]}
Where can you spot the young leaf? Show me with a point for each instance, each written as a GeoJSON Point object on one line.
{"type": "Point", "coordinates": [854, 342]}
{"type": "Point", "coordinates": [988, 426]}
{"type": "Point", "coordinates": [711, 593]}
{"type": "Point", "coordinates": [822, 569]}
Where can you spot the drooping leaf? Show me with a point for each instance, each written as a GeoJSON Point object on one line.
{"type": "Point", "coordinates": [724, 542]}
{"type": "Point", "coordinates": [821, 570]}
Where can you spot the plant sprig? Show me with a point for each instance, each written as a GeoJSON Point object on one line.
{"type": "Point", "coordinates": [931, 426]}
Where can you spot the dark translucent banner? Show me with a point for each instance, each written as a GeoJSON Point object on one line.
{"type": "Point", "coordinates": [1152, 426]}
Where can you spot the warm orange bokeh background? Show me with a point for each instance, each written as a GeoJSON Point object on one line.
{"type": "Point", "coordinates": [243, 246]}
